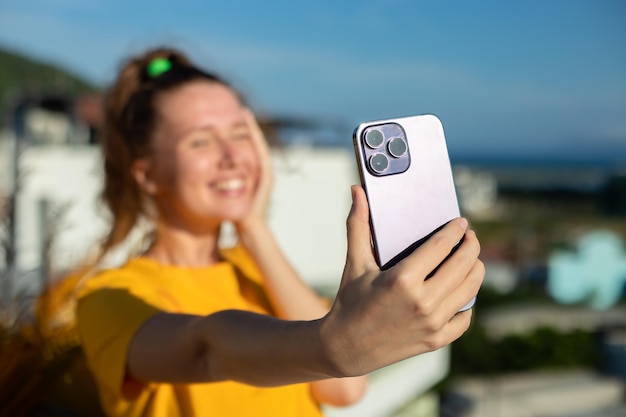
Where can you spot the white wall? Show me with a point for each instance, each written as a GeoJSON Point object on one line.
{"type": "Point", "coordinates": [309, 208]}
{"type": "Point", "coordinates": [69, 178]}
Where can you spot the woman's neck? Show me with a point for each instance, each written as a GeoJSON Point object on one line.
{"type": "Point", "coordinates": [181, 247]}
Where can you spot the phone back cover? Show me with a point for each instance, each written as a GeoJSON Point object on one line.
{"type": "Point", "coordinates": [407, 207]}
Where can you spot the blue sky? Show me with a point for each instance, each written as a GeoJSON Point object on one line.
{"type": "Point", "coordinates": [507, 78]}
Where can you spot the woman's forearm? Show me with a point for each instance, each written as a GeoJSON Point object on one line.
{"type": "Point", "coordinates": [264, 351]}
{"type": "Point", "coordinates": [291, 297]}
{"type": "Point", "coordinates": [295, 300]}
{"type": "Point", "coordinates": [229, 345]}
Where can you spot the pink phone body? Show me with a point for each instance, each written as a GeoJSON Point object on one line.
{"type": "Point", "coordinates": [406, 173]}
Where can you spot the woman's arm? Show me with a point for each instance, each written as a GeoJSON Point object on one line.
{"type": "Point", "coordinates": [290, 296]}
{"type": "Point", "coordinates": [293, 299]}
{"type": "Point", "coordinates": [378, 318]}
{"type": "Point", "coordinates": [229, 345]}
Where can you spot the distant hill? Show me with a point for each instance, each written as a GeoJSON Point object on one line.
{"type": "Point", "coordinates": [21, 75]}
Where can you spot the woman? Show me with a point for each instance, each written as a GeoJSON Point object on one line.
{"type": "Point", "coordinates": [186, 328]}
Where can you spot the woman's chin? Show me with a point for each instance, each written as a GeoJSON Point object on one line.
{"type": "Point", "coordinates": [235, 215]}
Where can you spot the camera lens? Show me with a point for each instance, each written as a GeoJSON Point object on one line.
{"type": "Point", "coordinates": [379, 163]}
{"type": "Point", "coordinates": [397, 147]}
{"type": "Point", "coordinates": [374, 138]}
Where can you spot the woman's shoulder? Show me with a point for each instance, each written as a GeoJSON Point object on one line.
{"type": "Point", "coordinates": [131, 274]}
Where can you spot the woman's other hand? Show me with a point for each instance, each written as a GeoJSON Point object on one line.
{"type": "Point", "coordinates": [258, 209]}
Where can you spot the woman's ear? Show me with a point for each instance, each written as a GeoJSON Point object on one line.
{"type": "Point", "coordinates": [141, 172]}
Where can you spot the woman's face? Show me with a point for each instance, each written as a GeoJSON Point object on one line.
{"type": "Point", "coordinates": [204, 168]}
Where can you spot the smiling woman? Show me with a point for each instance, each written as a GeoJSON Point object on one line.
{"type": "Point", "coordinates": [182, 151]}
{"type": "Point", "coordinates": [203, 168]}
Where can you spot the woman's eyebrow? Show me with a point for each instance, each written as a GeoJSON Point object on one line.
{"type": "Point", "coordinates": [212, 128]}
{"type": "Point", "coordinates": [206, 127]}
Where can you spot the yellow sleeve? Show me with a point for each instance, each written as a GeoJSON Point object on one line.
{"type": "Point", "coordinates": [107, 320]}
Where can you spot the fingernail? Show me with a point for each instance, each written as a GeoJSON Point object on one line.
{"type": "Point", "coordinates": [464, 223]}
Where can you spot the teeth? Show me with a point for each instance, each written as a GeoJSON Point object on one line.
{"type": "Point", "coordinates": [229, 185]}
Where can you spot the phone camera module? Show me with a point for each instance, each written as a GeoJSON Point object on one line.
{"type": "Point", "coordinates": [379, 163]}
{"type": "Point", "coordinates": [385, 149]}
{"type": "Point", "coordinates": [397, 147]}
{"type": "Point", "coordinates": [374, 138]}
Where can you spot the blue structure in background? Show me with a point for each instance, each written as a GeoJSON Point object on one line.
{"type": "Point", "coordinates": [595, 274]}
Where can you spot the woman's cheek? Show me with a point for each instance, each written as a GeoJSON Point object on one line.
{"type": "Point", "coordinates": [196, 166]}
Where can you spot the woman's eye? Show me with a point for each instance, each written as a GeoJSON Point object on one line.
{"type": "Point", "coordinates": [200, 142]}
{"type": "Point", "coordinates": [241, 136]}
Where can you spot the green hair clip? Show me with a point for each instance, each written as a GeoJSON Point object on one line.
{"type": "Point", "coordinates": [158, 66]}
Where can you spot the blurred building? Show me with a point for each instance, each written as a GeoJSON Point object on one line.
{"type": "Point", "coordinates": [505, 188]}
{"type": "Point", "coordinates": [577, 393]}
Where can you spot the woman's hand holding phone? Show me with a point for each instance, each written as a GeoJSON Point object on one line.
{"type": "Point", "coordinates": [387, 316]}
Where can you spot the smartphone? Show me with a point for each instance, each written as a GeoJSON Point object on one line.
{"type": "Point", "coordinates": [406, 173]}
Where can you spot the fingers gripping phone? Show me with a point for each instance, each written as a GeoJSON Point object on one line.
{"type": "Point", "coordinates": [406, 173]}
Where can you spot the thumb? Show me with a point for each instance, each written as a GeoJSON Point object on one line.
{"type": "Point", "coordinates": [360, 257]}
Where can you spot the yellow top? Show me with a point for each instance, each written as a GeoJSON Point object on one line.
{"type": "Point", "coordinates": [115, 303]}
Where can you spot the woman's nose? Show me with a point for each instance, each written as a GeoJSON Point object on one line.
{"type": "Point", "coordinates": [228, 152]}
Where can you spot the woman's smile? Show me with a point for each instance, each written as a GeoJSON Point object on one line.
{"type": "Point", "coordinates": [234, 187]}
